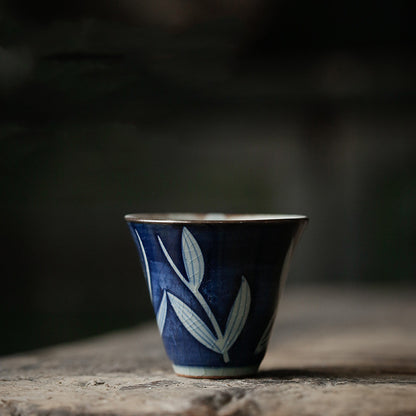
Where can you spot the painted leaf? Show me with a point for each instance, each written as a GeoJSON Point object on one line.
{"type": "Point", "coordinates": [193, 323]}
{"type": "Point", "coordinates": [161, 313]}
{"type": "Point", "coordinates": [146, 265]}
{"type": "Point", "coordinates": [238, 315]}
{"type": "Point", "coordinates": [192, 258]}
{"type": "Point", "coordinates": [261, 346]}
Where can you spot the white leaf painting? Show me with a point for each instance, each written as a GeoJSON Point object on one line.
{"type": "Point", "coordinates": [161, 313]}
{"type": "Point", "coordinates": [192, 259]}
{"type": "Point", "coordinates": [194, 267]}
{"type": "Point", "coordinates": [146, 265]}
{"type": "Point", "coordinates": [238, 315]}
{"type": "Point", "coordinates": [193, 323]}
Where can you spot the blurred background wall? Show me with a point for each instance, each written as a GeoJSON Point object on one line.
{"type": "Point", "coordinates": [114, 107]}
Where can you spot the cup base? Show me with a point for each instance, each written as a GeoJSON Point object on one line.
{"type": "Point", "coordinates": [214, 372]}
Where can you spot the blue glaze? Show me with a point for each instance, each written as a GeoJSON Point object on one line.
{"type": "Point", "coordinates": [215, 286]}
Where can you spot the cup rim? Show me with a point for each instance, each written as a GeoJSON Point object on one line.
{"type": "Point", "coordinates": [211, 218]}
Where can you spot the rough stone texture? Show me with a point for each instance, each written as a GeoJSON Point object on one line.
{"type": "Point", "coordinates": [333, 352]}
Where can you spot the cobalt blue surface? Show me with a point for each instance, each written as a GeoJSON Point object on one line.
{"type": "Point", "coordinates": [230, 250]}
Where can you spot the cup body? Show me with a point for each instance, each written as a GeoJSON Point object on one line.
{"type": "Point", "coordinates": [215, 282]}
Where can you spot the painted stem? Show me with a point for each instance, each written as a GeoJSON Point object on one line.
{"type": "Point", "coordinates": [208, 311]}
{"type": "Point", "coordinates": [171, 262]}
{"type": "Point", "coordinates": [211, 317]}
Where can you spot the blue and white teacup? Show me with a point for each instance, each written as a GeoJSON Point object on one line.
{"type": "Point", "coordinates": [215, 281]}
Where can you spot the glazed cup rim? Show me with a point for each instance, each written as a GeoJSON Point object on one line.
{"type": "Point", "coordinates": [209, 218]}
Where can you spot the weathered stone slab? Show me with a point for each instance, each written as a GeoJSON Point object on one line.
{"type": "Point", "coordinates": [333, 352]}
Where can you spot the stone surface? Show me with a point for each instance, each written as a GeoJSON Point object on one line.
{"type": "Point", "coordinates": [333, 352]}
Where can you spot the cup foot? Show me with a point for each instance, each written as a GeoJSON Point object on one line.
{"type": "Point", "coordinates": [214, 372]}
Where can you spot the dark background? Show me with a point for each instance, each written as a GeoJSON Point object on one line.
{"type": "Point", "coordinates": [114, 107]}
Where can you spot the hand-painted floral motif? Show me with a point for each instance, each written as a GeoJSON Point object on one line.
{"type": "Point", "coordinates": [193, 261]}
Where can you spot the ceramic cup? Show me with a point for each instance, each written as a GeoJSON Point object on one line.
{"type": "Point", "coordinates": [215, 281]}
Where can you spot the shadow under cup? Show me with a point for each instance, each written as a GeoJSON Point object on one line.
{"type": "Point", "coordinates": [215, 281]}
